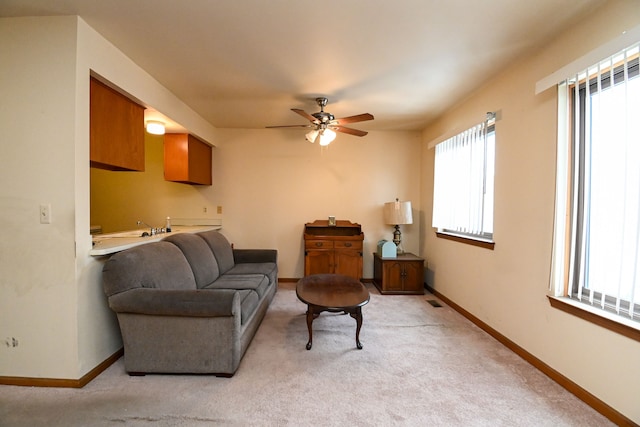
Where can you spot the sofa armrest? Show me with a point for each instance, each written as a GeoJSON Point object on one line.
{"type": "Point", "coordinates": [170, 302]}
{"type": "Point", "coordinates": [241, 256]}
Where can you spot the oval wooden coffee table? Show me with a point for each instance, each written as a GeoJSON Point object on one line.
{"type": "Point", "coordinates": [333, 293]}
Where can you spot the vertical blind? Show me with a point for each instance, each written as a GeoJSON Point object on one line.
{"type": "Point", "coordinates": [460, 183]}
{"type": "Point", "coordinates": [604, 229]}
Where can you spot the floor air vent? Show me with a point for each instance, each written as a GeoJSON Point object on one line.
{"type": "Point", "coordinates": [434, 303]}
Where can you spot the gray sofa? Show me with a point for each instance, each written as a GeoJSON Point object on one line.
{"type": "Point", "coordinates": [189, 303]}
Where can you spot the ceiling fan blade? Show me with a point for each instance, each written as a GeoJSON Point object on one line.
{"type": "Point", "coordinates": [289, 126]}
{"type": "Point", "coordinates": [353, 119]}
{"type": "Point", "coordinates": [350, 131]}
{"type": "Point", "coordinates": [305, 115]}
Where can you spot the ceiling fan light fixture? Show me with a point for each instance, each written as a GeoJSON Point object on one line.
{"type": "Point", "coordinates": [326, 136]}
{"type": "Point", "coordinates": [311, 136]}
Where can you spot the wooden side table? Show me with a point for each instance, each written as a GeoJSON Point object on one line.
{"type": "Point", "coordinates": [401, 275]}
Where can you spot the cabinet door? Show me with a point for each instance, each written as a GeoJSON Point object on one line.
{"type": "Point", "coordinates": [200, 159]}
{"type": "Point", "coordinates": [187, 159]}
{"type": "Point", "coordinates": [318, 262]}
{"type": "Point", "coordinates": [348, 263]}
{"type": "Point", "coordinates": [116, 130]}
{"type": "Point", "coordinates": [412, 277]}
{"type": "Point", "coordinates": [393, 276]}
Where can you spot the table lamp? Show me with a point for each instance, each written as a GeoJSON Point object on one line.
{"type": "Point", "coordinates": [397, 213]}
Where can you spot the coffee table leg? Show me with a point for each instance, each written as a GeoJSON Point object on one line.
{"type": "Point", "coordinates": [310, 318]}
{"type": "Point", "coordinates": [358, 316]}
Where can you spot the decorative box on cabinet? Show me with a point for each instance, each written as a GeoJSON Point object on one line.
{"type": "Point", "coordinates": [403, 274]}
{"type": "Point", "coordinates": [186, 159]}
{"type": "Point", "coordinates": [333, 248]}
{"type": "Point", "coordinates": [116, 130]}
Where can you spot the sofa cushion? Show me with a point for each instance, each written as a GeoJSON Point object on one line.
{"type": "Point", "coordinates": [197, 252]}
{"type": "Point", "coordinates": [158, 265]}
{"type": "Point", "coordinates": [269, 269]}
{"type": "Point", "coordinates": [255, 282]}
{"type": "Point", "coordinates": [220, 247]}
{"type": "Point", "coordinates": [248, 302]}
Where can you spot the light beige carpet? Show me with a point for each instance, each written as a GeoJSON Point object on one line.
{"type": "Point", "coordinates": [420, 366]}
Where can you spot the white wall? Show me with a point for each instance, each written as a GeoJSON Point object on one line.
{"type": "Point", "coordinates": [37, 273]}
{"type": "Point", "coordinates": [507, 287]}
{"type": "Point", "coordinates": [271, 182]}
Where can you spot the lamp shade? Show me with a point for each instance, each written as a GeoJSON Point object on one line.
{"type": "Point", "coordinates": [326, 136]}
{"type": "Point", "coordinates": [397, 212]}
{"type": "Point", "coordinates": [311, 136]}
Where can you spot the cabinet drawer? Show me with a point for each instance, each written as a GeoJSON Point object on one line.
{"type": "Point", "coordinates": [318, 244]}
{"type": "Point", "coordinates": [347, 244]}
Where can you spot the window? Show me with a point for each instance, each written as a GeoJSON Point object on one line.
{"type": "Point", "coordinates": [597, 229]}
{"type": "Point", "coordinates": [463, 183]}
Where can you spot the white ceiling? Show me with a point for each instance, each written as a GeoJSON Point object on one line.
{"type": "Point", "coordinates": [246, 63]}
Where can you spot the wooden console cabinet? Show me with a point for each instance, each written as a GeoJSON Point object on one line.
{"type": "Point", "coordinates": [401, 275]}
{"type": "Point", "coordinates": [333, 248]}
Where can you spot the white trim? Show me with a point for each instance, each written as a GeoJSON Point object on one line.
{"type": "Point", "coordinates": [626, 39]}
{"type": "Point", "coordinates": [622, 319]}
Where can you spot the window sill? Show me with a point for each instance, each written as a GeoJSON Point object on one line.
{"type": "Point", "coordinates": [487, 244]}
{"type": "Point", "coordinates": [627, 327]}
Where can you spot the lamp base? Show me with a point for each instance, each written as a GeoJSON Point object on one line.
{"type": "Point", "coordinates": [397, 239]}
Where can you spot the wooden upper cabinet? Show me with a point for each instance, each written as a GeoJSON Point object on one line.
{"type": "Point", "coordinates": [187, 159]}
{"type": "Point", "coordinates": [117, 130]}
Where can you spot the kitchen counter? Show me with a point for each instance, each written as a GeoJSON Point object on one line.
{"type": "Point", "coordinates": [106, 244]}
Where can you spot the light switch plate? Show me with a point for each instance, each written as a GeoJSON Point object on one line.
{"type": "Point", "coordinates": [45, 214]}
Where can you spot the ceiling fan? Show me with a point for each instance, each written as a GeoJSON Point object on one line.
{"type": "Point", "coordinates": [324, 125]}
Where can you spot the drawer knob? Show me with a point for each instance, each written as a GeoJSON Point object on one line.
{"type": "Point", "coordinates": [318, 244]}
{"type": "Point", "coordinates": [348, 244]}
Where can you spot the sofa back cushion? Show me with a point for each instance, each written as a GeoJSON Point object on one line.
{"type": "Point", "coordinates": [221, 249]}
{"type": "Point", "coordinates": [197, 252]}
{"type": "Point", "coordinates": [154, 265]}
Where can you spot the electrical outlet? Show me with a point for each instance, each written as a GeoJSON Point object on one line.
{"type": "Point", "coordinates": [45, 214]}
{"type": "Point", "coordinates": [204, 209]}
{"type": "Point", "coordinates": [219, 209]}
{"type": "Point", "coordinates": [11, 342]}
